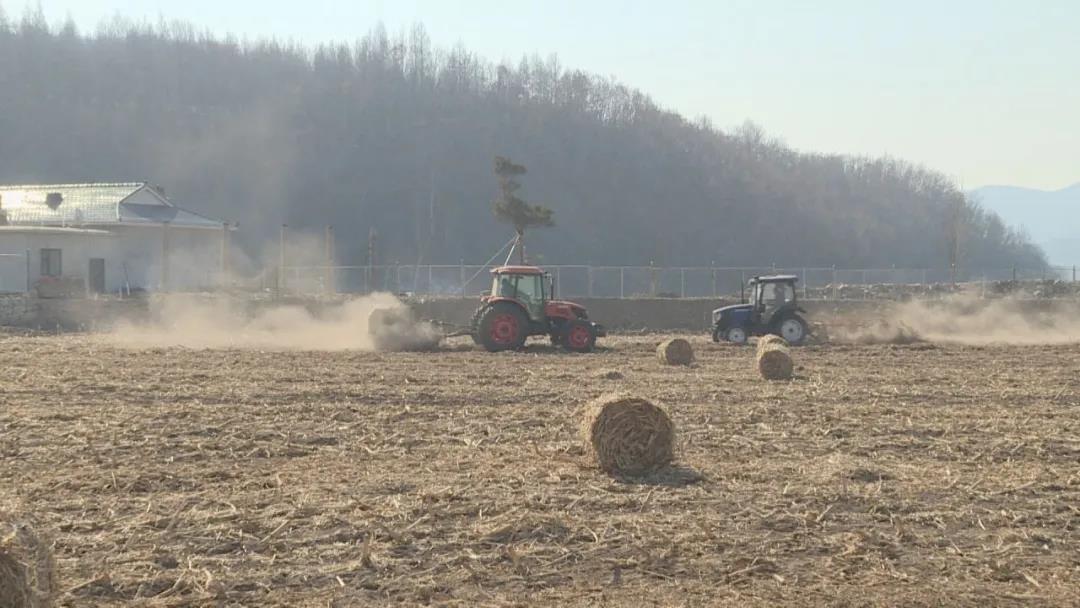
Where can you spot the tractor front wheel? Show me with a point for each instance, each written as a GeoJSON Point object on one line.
{"type": "Point", "coordinates": [579, 336]}
{"type": "Point", "coordinates": [735, 335]}
{"type": "Point", "coordinates": [794, 330]}
{"type": "Point", "coordinates": [502, 326]}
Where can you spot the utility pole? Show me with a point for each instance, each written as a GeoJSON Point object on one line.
{"type": "Point", "coordinates": [165, 256]}
{"type": "Point", "coordinates": [331, 285]}
{"type": "Point", "coordinates": [281, 258]}
{"type": "Point", "coordinates": [372, 237]}
{"type": "Point", "coordinates": [224, 254]}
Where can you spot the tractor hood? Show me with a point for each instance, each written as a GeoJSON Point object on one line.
{"type": "Point", "coordinates": [735, 311]}
{"type": "Point", "coordinates": [570, 305]}
{"type": "Point", "coordinates": [564, 309]}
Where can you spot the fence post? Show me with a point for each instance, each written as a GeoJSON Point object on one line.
{"type": "Point", "coordinates": [429, 290]}
{"type": "Point", "coordinates": [330, 278]}
{"type": "Point", "coordinates": [924, 276]}
{"type": "Point", "coordinates": [461, 276]}
{"type": "Point", "coordinates": [589, 279]}
{"type": "Point", "coordinates": [281, 257]}
{"type": "Point", "coordinates": [834, 281]}
{"type": "Point", "coordinates": [1074, 274]}
{"type": "Point", "coordinates": [682, 283]}
{"type": "Point", "coordinates": [805, 285]}
{"type": "Point", "coordinates": [714, 280]}
{"type": "Point", "coordinates": [622, 281]}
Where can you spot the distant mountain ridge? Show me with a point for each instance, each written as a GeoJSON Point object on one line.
{"type": "Point", "coordinates": [1050, 217]}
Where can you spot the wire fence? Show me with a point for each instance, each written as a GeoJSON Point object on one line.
{"type": "Point", "coordinates": [635, 281]}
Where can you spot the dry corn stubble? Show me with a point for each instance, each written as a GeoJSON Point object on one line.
{"type": "Point", "coordinates": [675, 351]}
{"type": "Point", "coordinates": [774, 362]}
{"type": "Point", "coordinates": [628, 435]}
{"type": "Point", "coordinates": [27, 571]}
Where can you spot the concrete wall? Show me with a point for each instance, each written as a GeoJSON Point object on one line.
{"type": "Point", "coordinates": [645, 313]}
{"type": "Point", "coordinates": [17, 310]}
{"type": "Point", "coordinates": [629, 314]}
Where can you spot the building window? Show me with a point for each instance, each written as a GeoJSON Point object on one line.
{"type": "Point", "coordinates": [50, 263]}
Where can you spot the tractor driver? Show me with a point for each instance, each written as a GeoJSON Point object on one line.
{"type": "Point", "coordinates": [506, 288]}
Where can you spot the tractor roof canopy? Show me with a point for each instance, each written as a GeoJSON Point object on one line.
{"type": "Point", "coordinates": [775, 278]}
{"type": "Point", "coordinates": [517, 270]}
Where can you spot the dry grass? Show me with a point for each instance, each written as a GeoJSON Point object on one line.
{"type": "Point", "coordinates": [883, 475]}
{"type": "Point", "coordinates": [675, 351]}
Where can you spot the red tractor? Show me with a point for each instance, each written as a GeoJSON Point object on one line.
{"type": "Point", "coordinates": [521, 304]}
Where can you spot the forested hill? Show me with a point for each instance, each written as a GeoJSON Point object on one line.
{"type": "Point", "coordinates": [393, 134]}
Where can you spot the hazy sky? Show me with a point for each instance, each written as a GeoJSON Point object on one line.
{"type": "Point", "coordinates": [983, 90]}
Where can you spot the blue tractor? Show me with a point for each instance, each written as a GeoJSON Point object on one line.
{"type": "Point", "coordinates": [773, 309]}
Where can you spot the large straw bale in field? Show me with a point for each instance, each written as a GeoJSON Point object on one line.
{"type": "Point", "coordinates": [27, 571]}
{"type": "Point", "coordinates": [628, 435]}
{"type": "Point", "coordinates": [675, 351]}
{"type": "Point", "coordinates": [768, 339]}
{"type": "Point", "coordinates": [774, 362]}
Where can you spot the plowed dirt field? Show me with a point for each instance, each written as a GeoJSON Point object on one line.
{"type": "Point", "coordinates": [917, 474]}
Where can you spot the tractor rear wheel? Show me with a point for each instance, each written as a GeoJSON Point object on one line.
{"type": "Point", "coordinates": [579, 336]}
{"type": "Point", "coordinates": [474, 324]}
{"type": "Point", "coordinates": [502, 326]}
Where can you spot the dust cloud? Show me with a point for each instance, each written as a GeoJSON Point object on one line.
{"type": "Point", "coordinates": [228, 324]}
{"type": "Point", "coordinates": [965, 319]}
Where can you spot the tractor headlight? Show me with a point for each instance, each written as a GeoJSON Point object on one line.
{"type": "Point", "coordinates": [716, 315]}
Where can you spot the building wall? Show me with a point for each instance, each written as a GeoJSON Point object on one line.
{"type": "Point", "coordinates": [136, 263]}
{"type": "Point", "coordinates": [133, 258]}
{"type": "Point", "coordinates": [76, 251]}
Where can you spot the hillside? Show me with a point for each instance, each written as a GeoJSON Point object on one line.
{"type": "Point", "coordinates": [1051, 218]}
{"type": "Point", "coordinates": [394, 135]}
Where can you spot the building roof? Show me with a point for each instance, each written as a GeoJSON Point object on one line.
{"type": "Point", "coordinates": [775, 278]}
{"type": "Point", "coordinates": [136, 203]}
{"type": "Point", "coordinates": [516, 270]}
{"type": "Point", "coordinates": [52, 230]}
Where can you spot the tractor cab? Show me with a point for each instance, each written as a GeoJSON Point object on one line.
{"type": "Point", "coordinates": [521, 304]}
{"type": "Point", "coordinates": [773, 309]}
{"type": "Point", "coordinates": [527, 285]}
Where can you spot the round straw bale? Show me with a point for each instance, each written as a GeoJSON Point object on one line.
{"type": "Point", "coordinates": [628, 435]}
{"type": "Point", "coordinates": [774, 362]}
{"type": "Point", "coordinates": [27, 571]}
{"type": "Point", "coordinates": [675, 351]}
{"type": "Point", "coordinates": [767, 339]}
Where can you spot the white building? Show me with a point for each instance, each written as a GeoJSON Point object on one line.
{"type": "Point", "coordinates": [104, 238]}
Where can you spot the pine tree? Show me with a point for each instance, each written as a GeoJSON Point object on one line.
{"type": "Point", "coordinates": [512, 209]}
